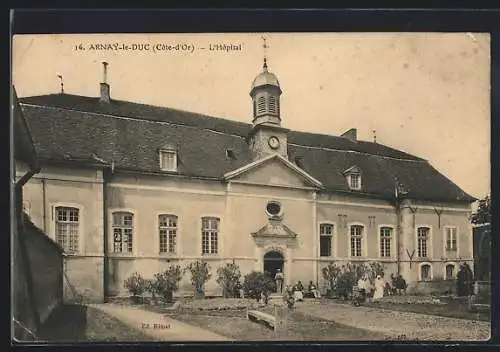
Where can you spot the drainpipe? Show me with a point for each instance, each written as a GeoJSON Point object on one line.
{"type": "Point", "coordinates": [44, 204]}
{"type": "Point", "coordinates": [398, 235]}
{"type": "Point", "coordinates": [105, 235]}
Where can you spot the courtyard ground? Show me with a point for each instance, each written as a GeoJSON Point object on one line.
{"type": "Point", "coordinates": [75, 323]}
{"type": "Point", "coordinates": [400, 325]}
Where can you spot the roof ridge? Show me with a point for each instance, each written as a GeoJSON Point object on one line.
{"type": "Point", "coordinates": [133, 119]}
{"type": "Point", "coordinates": [225, 133]}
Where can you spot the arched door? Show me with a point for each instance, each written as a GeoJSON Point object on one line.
{"type": "Point", "coordinates": [273, 260]}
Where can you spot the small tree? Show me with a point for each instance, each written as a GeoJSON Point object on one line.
{"type": "Point", "coordinates": [483, 213]}
{"type": "Point", "coordinates": [200, 274]}
{"type": "Point", "coordinates": [258, 285]}
{"type": "Point", "coordinates": [228, 276]}
{"type": "Point", "coordinates": [136, 286]}
{"type": "Point", "coordinates": [168, 282]}
{"type": "Point", "coordinates": [331, 273]}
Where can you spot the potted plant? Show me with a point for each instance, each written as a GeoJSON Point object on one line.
{"type": "Point", "coordinates": [136, 286]}
{"type": "Point", "coordinates": [168, 282]}
{"type": "Point", "coordinates": [200, 274]}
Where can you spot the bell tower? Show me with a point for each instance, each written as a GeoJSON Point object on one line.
{"type": "Point", "coordinates": [267, 135]}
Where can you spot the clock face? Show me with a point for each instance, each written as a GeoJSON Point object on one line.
{"type": "Point", "coordinates": [274, 142]}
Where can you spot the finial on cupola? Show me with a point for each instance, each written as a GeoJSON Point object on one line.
{"type": "Point", "coordinates": [264, 45]}
{"type": "Point", "coordinates": [62, 83]}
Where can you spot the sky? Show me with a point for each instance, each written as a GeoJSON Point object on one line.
{"type": "Point", "coordinates": [424, 93]}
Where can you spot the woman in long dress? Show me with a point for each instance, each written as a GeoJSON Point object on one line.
{"type": "Point", "coordinates": [379, 288]}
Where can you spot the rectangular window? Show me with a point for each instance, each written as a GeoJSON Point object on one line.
{"type": "Point", "coordinates": [168, 233]}
{"type": "Point", "coordinates": [385, 241]}
{"type": "Point", "coordinates": [356, 240]}
{"type": "Point", "coordinates": [355, 181]}
{"type": "Point", "coordinates": [67, 228]}
{"type": "Point", "coordinates": [422, 239]}
{"type": "Point", "coordinates": [123, 229]}
{"type": "Point", "coordinates": [450, 272]}
{"type": "Point", "coordinates": [451, 238]}
{"type": "Point", "coordinates": [168, 160]}
{"type": "Point", "coordinates": [425, 272]}
{"type": "Point", "coordinates": [210, 235]}
{"type": "Point", "coordinates": [325, 240]}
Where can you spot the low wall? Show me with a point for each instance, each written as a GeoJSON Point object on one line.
{"type": "Point", "coordinates": [442, 287]}
{"type": "Point", "coordinates": [45, 264]}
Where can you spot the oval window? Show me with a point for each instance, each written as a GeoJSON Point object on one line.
{"type": "Point", "coordinates": [273, 208]}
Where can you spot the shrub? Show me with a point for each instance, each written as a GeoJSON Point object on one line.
{"type": "Point", "coordinates": [135, 284]}
{"type": "Point", "coordinates": [200, 273]}
{"type": "Point", "coordinates": [258, 285]}
{"type": "Point", "coordinates": [228, 277]}
{"type": "Point", "coordinates": [167, 282]}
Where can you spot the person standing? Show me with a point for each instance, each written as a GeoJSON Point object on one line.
{"type": "Point", "coordinates": [279, 281]}
{"type": "Point", "coordinates": [461, 278]}
{"type": "Point", "coordinates": [379, 288]}
{"type": "Point", "coordinates": [469, 280]}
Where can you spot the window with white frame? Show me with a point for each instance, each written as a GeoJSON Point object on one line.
{"type": "Point", "coordinates": [356, 240]}
{"type": "Point", "coordinates": [450, 272]}
{"type": "Point", "coordinates": [210, 235]}
{"type": "Point", "coordinates": [168, 233]}
{"type": "Point", "coordinates": [67, 228]}
{"type": "Point", "coordinates": [451, 239]}
{"type": "Point", "coordinates": [385, 241]}
{"type": "Point", "coordinates": [423, 242]}
{"type": "Point", "coordinates": [123, 232]}
{"type": "Point", "coordinates": [425, 272]}
{"type": "Point", "coordinates": [325, 240]}
{"type": "Point", "coordinates": [354, 180]}
{"type": "Point", "coordinates": [168, 160]}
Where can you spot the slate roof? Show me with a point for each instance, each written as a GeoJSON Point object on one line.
{"type": "Point", "coordinates": [70, 127]}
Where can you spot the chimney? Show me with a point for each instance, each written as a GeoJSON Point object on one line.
{"type": "Point", "coordinates": [104, 84]}
{"type": "Point", "coordinates": [351, 134]}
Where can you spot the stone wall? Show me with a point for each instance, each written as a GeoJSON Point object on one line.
{"type": "Point", "coordinates": [45, 265]}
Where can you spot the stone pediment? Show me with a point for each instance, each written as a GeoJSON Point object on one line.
{"type": "Point", "coordinates": [275, 230]}
{"type": "Point", "coordinates": [274, 170]}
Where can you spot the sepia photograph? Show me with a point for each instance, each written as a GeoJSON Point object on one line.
{"type": "Point", "coordinates": [251, 187]}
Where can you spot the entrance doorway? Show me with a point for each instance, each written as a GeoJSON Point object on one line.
{"type": "Point", "coordinates": [272, 261]}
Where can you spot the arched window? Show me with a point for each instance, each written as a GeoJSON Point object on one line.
{"type": "Point", "coordinates": [385, 241]}
{"type": "Point", "coordinates": [123, 232]}
{"type": "Point", "coordinates": [356, 240]}
{"type": "Point", "coordinates": [450, 271]}
{"type": "Point", "coordinates": [425, 272]}
{"type": "Point", "coordinates": [67, 221]}
{"type": "Point", "coordinates": [325, 240]}
{"type": "Point", "coordinates": [261, 105]}
{"type": "Point", "coordinates": [209, 235]}
{"type": "Point", "coordinates": [423, 242]}
{"type": "Point", "coordinates": [168, 233]}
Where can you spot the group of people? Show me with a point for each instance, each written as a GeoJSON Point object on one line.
{"type": "Point", "coordinates": [296, 290]}
{"type": "Point", "coordinates": [364, 288]}
{"type": "Point", "coordinates": [380, 288]}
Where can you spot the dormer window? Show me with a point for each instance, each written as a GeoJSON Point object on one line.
{"type": "Point", "coordinates": [168, 159]}
{"type": "Point", "coordinates": [353, 175]}
{"type": "Point", "coordinates": [355, 181]}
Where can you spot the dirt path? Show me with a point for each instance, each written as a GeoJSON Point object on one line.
{"type": "Point", "coordinates": [158, 326]}
{"type": "Point", "coordinates": [400, 325]}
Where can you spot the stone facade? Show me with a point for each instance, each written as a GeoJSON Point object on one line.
{"type": "Point", "coordinates": [240, 204]}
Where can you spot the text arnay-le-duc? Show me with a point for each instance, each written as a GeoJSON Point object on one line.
{"type": "Point", "coordinates": [224, 47]}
